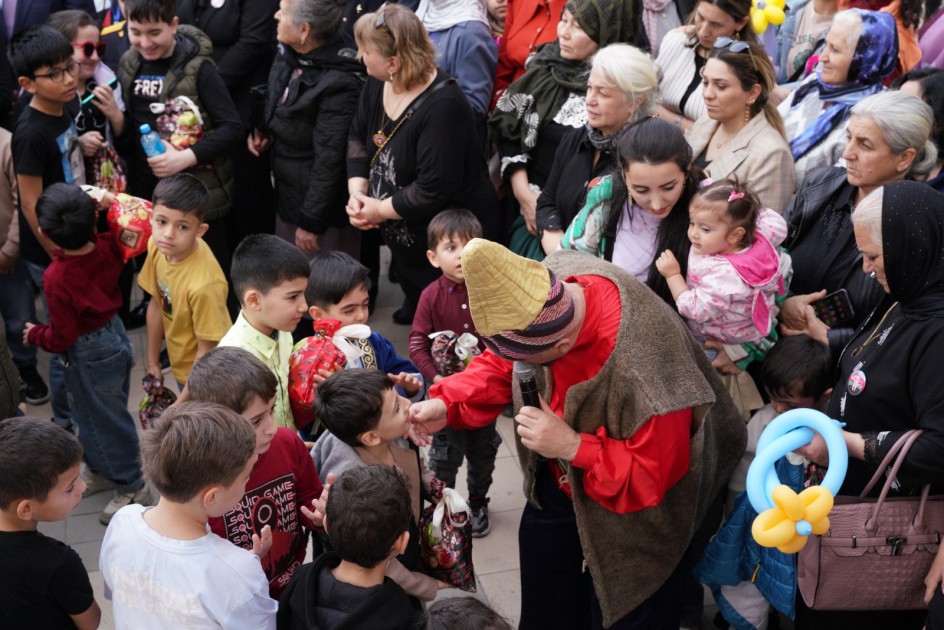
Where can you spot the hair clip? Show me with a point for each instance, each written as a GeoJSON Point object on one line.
{"type": "Point", "coordinates": [706, 182]}
{"type": "Point", "coordinates": [735, 195]}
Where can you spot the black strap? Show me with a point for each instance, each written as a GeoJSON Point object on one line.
{"type": "Point", "coordinates": [415, 105]}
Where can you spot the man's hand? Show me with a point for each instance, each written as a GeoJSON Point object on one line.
{"type": "Point", "coordinates": [29, 326]}
{"type": "Point", "coordinates": [317, 515]}
{"type": "Point", "coordinates": [427, 417]}
{"type": "Point", "coordinates": [262, 544]}
{"type": "Point", "coordinates": [306, 241]}
{"type": "Point", "coordinates": [546, 433]}
{"type": "Point", "coordinates": [410, 384]}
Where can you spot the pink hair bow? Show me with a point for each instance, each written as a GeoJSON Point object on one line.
{"type": "Point", "coordinates": [735, 195]}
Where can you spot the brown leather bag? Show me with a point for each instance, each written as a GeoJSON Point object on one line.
{"type": "Point", "coordinates": [877, 551]}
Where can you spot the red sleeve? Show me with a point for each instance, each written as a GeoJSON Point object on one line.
{"type": "Point", "coordinates": [62, 331]}
{"type": "Point", "coordinates": [505, 71]}
{"type": "Point", "coordinates": [475, 396]}
{"type": "Point", "coordinates": [629, 475]}
{"type": "Point", "coordinates": [420, 343]}
{"type": "Point", "coordinates": [307, 483]}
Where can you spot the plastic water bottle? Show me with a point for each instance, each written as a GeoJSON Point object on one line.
{"type": "Point", "coordinates": [151, 141]}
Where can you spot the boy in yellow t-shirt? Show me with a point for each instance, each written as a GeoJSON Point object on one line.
{"type": "Point", "coordinates": [188, 309]}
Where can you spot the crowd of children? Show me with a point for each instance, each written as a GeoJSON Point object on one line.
{"type": "Point", "coordinates": [216, 505]}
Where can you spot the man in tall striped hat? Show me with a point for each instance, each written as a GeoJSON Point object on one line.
{"type": "Point", "coordinates": [625, 458]}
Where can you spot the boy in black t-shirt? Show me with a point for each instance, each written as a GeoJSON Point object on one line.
{"type": "Point", "coordinates": [46, 151]}
{"type": "Point", "coordinates": [168, 63]}
{"type": "Point", "coordinates": [43, 583]}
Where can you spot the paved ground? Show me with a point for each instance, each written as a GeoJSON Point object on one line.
{"type": "Point", "coordinates": [495, 556]}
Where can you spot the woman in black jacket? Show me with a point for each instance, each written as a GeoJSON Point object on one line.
{"type": "Point", "coordinates": [312, 94]}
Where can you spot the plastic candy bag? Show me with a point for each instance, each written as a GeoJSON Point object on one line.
{"type": "Point", "coordinates": [129, 219]}
{"type": "Point", "coordinates": [446, 538]}
{"type": "Point", "coordinates": [328, 349]}
{"type": "Point", "coordinates": [157, 399]}
{"type": "Point", "coordinates": [179, 122]}
{"type": "Point", "coordinates": [451, 353]}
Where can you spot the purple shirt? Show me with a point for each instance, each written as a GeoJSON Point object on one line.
{"type": "Point", "coordinates": [444, 305]}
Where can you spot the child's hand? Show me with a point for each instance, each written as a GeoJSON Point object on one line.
{"type": "Point", "coordinates": [667, 265]}
{"type": "Point", "coordinates": [154, 371]}
{"type": "Point", "coordinates": [29, 326]}
{"type": "Point", "coordinates": [262, 544]}
{"type": "Point", "coordinates": [410, 384]}
{"type": "Point", "coordinates": [317, 516]}
{"type": "Point", "coordinates": [443, 585]}
{"type": "Point", "coordinates": [171, 161]}
{"type": "Point", "coordinates": [438, 378]}
{"type": "Point", "coordinates": [105, 102]}
{"type": "Point", "coordinates": [319, 377]}
{"type": "Point", "coordinates": [91, 142]}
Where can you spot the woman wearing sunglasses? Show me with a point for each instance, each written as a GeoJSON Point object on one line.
{"type": "Point", "coordinates": [412, 148]}
{"type": "Point", "coordinates": [742, 135]}
{"type": "Point", "coordinates": [98, 109]}
{"type": "Point", "coordinates": [684, 52]}
{"type": "Point", "coordinates": [861, 50]}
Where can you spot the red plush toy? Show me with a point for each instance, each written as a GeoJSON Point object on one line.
{"type": "Point", "coordinates": [129, 219]}
{"type": "Point", "coordinates": [308, 357]}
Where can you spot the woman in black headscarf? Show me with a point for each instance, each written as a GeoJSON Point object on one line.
{"type": "Point", "coordinates": [889, 374]}
{"type": "Point", "coordinates": [535, 113]}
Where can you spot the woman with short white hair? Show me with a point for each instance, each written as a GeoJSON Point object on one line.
{"type": "Point", "coordinates": [622, 89]}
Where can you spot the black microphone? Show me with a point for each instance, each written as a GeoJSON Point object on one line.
{"type": "Point", "coordinates": [524, 374]}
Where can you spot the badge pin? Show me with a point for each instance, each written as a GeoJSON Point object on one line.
{"type": "Point", "coordinates": [856, 383]}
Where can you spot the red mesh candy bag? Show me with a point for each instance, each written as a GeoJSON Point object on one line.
{"type": "Point", "coordinates": [129, 219]}
{"type": "Point", "coordinates": [452, 353]}
{"type": "Point", "coordinates": [446, 538]}
{"type": "Point", "coordinates": [328, 349]}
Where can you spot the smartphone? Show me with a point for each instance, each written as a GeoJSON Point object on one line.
{"type": "Point", "coordinates": [88, 99]}
{"type": "Point", "coordinates": [834, 309]}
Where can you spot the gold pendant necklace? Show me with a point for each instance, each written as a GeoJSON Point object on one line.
{"type": "Point", "coordinates": [875, 331]}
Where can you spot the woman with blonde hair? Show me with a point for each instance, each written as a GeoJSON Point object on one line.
{"type": "Point", "coordinates": [412, 150]}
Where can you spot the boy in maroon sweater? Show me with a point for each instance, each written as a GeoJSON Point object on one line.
{"type": "Point", "coordinates": [81, 286]}
{"type": "Point", "coordinates": [444, 306]}
{"type": "Point", "coordinates": [283, 484]}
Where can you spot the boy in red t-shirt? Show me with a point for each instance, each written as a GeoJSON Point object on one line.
{"type": "Point", "coordinates": [283, 483]}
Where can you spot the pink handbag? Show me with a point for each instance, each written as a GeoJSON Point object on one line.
{"type": "Point", "coordinates": [877, 551]}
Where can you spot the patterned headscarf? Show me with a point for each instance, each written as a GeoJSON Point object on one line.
{"type": "Point", "coordinates": [913, 247]}
{"type": "Point", "coordinates": [875, 55]}
{"type": "Point", "coordinates": [535, 98]}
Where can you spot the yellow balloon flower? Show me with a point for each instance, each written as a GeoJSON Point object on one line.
{"type": "Point", "coordinates": [793, 518]}
{"type": "Point", "coordinates": [764, 12]}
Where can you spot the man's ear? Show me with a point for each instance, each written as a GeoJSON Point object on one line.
{"type": "Point", "coordinates": [369, 438]}
{"type": "Point", "coordinates": [202, 229]}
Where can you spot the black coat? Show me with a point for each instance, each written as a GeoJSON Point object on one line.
{"type": "Point", "coordinates": [243, 36]}
{"type": "Point", "coordinates": [309, 134]}
{"type": "Point", "coordinates": [821, 187]}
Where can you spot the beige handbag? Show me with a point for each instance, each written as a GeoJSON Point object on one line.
{"type": "Point", "coordinates": [877, 551]}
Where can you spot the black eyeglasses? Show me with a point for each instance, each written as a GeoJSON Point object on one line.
{"type": "Point", "coordinates": [90, 48]}
{"type": "Point", "coordinates": [735, 46]}
{"type": "Point", "coordinates": [56, 75]}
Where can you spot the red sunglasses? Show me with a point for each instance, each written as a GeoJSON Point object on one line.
{"type": "Point", "coordinates": [89, 48]}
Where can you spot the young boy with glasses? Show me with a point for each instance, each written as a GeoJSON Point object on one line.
{"type": "Point", "coordinates": [45, 151]}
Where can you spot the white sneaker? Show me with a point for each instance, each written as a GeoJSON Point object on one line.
{"type": "Point", "coordinates": [121, 499]}
{"type": "Point", "coordinates": [94, 483]}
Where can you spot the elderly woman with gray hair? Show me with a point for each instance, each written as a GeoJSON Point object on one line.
{"type": "Point", "coordinates": [621, 90]}
{"type": "Point", "coordinates": [312, 95]}
{"type": "Point", "coordinates": [888, 141]}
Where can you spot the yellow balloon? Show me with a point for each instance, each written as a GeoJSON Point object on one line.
{"type": "Point", "coordinates": [795, 544]}
{"type": "Point", "coordinates": [758, 21]}
{"type": "Point", "coordinates": [777, 526]}
{"type": "Point", "coordinates": [775, 15]}
{"type": "Point", "coordinates": [771, 528]}
{"type": "Point", "coordinates": [788, 501]}
{"type": "Point", "coordinates": [817, 502]}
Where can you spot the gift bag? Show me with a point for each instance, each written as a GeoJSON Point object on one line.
{"type": "Point", "coordinates": [451, 353]}
{"type": "Point", "coordinates": [106, 169]}
{"type": "Point", "coordinates": [156, 399]}
{"type": "Point", "coordinates": [446, 538]}
{"type": "Point", "coordinates": [179, 122]}
{"type": "Point", "coordinates": [129, 219]}
{"type": "Point", "coordinates": [328, 349]}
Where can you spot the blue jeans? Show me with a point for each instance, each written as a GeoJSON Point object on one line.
{"type": "Point", "coordinates": [18, 306]}
{"type": "Point", "coordinates": [61, 412]}
{"type": "Point", "coordinates": [97, 376]}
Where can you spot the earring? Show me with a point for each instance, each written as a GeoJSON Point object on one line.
{"type": "Point", "coordinates": [747, 112]}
